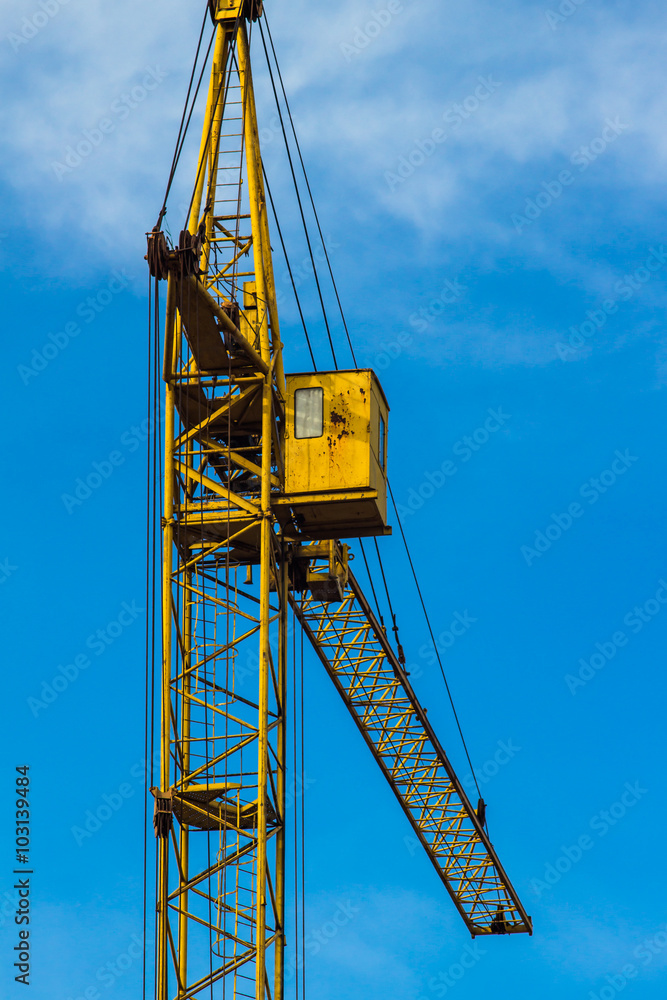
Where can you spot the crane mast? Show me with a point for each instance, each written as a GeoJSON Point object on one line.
{"type": "Point", "coordinates": [221, 875]}
{"type": "Point", "coordinates": [245, 537]}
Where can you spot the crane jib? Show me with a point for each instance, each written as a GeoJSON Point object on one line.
{"type": "Point", "coordinates": [374, 686]}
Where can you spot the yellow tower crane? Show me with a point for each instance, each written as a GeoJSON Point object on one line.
{"type": "Point", "coordinates": [263, 474]}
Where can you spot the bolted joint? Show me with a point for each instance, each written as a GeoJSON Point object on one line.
{"type": "Point", "coordinates": [163, 812]}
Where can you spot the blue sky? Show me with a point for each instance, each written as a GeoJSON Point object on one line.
{"type": "Point", "coordinates": [490, 182]}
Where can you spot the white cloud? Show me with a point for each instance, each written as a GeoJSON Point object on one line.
{"type": "Point", "coordinates": [357, 115]}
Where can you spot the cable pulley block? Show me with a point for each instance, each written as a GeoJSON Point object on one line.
{"type": "Point", "coordinates": [158, 255]}
{"type": "Point", "coordinates": [182, 261]}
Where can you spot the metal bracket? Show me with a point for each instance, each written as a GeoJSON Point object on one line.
{"type": "Point", "coordinates": [322, 568]}
{"type": "Point", "coordinates": [234, 10]}
{"type": "Point", "coordinates": [163, 812]}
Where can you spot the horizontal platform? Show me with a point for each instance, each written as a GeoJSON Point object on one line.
{"type": "Point", "coordinates": [212, 527]}
{"type": "Point", "coordinates": [336, 514]}
{"type": "Point", "coordinates": [206, 808]}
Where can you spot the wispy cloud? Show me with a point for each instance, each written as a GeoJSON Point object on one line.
{"type": "Point", "coordinates": [356, 120]}
{"type": "Point", "coordinates": [374, 954]}
{"type": "Point", "coordinates": [595, 943]}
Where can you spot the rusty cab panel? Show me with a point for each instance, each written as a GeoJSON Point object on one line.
{"type": "Point", "coordinates": [336, 454]}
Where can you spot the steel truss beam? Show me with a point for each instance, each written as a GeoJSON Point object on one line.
{"type": "Point", "coordinates": [374, 686]}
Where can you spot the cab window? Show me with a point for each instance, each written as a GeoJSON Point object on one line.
{"type": "Point", "coordinates": [309, 412]}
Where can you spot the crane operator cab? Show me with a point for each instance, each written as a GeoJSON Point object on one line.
{"type": "Point", "coordinates": [336, 454]}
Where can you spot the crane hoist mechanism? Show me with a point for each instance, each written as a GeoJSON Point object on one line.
{"type": "Point", "coordinates": [264, 472]}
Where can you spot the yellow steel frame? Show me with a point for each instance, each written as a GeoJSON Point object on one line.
{"type": "Point", "coordinates": [219, 809]}
{"type": "Point", "coordinates": [374, 686]}
{"type": "Point", "coordinates": [220, 804]}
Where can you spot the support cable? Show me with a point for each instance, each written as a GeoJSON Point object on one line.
{"type": "Point", "coordinates": [401, 654]}
{"type": "Point", "coordinates": [428, 623]}
{"type": "Point", "coordinates": [370, 580]}
{"type": "Point", "coordinates": [298, 198]}
{"type": "Point", "coordinates": [399, 648]}
{"type": "Point", "coordinates": [148, 712]}
{"type": "Point", "coordinates": [303, 831]}
{"type": "Point", "coordinates": [153, 507]}
{"type": "Point", "coordinates": [185, 124]}
{"type": "Point", "coordinates": [289, 268]}
{"type": "Point", "coordinates": [296, 831]}
{"type": "Point", "coordinates": [224, 84]}
{"type": "Point", "coordinates": [180, 139]}
{"type": "Point", "coordinates": [310, 193]}
{"type": "Point", "coordinates": [158, 546]}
